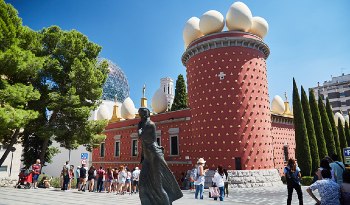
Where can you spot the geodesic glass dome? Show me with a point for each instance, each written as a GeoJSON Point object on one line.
{"type": "Point", "coordinates": [116, 83]}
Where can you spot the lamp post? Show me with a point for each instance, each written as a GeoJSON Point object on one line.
{"type": "Point", "coordinates": [13, 149]}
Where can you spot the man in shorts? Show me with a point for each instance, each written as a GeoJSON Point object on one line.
{"type": "Point", "coordinates": [83, 177]}
{"type": "Point", "coordinates": [135, 180]}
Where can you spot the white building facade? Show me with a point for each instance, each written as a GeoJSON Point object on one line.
{"type": "Point", "coordinates": [338, 92]}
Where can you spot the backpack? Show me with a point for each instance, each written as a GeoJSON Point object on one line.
{"type": "Point", "coordinates": [291, 177]}
{"type": "Point", "coordinates": [194, 174]}
{"type": "Point", "coordinates": [82, 172]}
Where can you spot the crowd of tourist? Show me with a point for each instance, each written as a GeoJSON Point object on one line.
{"type": "Point", "coordinates": [219, 188]}
{"type": "Point", "coordinates": [118, 180]}
{"type": "Point", "coordinates": [331, 180]}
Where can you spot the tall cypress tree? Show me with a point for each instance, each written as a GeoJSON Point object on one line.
{"type": "Point", "coordinates": [310, 130]}
{"type": "Point", "coordinates": [180, 100]}
{"type": "Point", "coordinates": [327, 129]}
{"type": "Point", "coordinates": [334, 127]}
{"type": "Point", "coordinates": [302, 141]}
{"type": "Point", "coordinates": [342, 139]}
{"type": "Point", "coordinates": [347, 132]}
{"type": "Point", "coordinates": [321, 143]}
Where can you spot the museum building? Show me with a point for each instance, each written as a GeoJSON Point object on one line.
{"type": "Point", "coordinates": [229, 120]}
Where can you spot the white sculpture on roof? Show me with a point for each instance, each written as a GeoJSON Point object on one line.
{"type": "Point", "coordinates": [238, 18]}
{"type": "Point", "coordinates": [127, 110]}
{"type": "Point", "coordinates": [337, 116]}
{"type": "Point", "coordinates": [259, 27]}
{"type": "Point", "coordinates": [211, 22]}
{"type": "Point", "coordinates": [277, 105]}
{"type": "Point", "coordinates": [191, 31]}
{"type": "Point", "coordinates": [159, 101]}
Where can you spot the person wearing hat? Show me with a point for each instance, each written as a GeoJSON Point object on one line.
{"type": "Point", "coordinates": [199, 182]}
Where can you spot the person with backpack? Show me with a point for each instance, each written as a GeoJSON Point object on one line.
{"type": "Point", "coordinates": [193, 178]}
{"type": "Point", "coordinates": [338, 168]}
{"type": "Point", "coordinates": [293, 176]}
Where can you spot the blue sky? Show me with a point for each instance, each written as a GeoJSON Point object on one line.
{"type": "Point", "coordinates": [309, 40]}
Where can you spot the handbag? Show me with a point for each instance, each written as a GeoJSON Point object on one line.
{"type": "Point", "coordinates": [214, 192]}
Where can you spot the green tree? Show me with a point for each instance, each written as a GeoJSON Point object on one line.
{"type": "Point", "coordinates": [347, 133]}
{"type": "Point", "coordinates": [180, 100]}
{"type": "Point", "coordinates": [18, 65]}
{"type": "Point", "coordinates": [327, 128]}
{"type": "Point", "coordinates": [321, 143]}
{"type": "Point", "coordinates": [342, 138]}
{"type": "Point", "coordinates": [302, 141]}
{"type": "Point", "coordinates": [71, 87]}
{"type": "Point", "coordinates": [334, 128]}
{"type": "Point", "coordinates": [310, 130]}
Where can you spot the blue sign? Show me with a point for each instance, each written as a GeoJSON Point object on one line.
{"type": "Point", "coordinates": [346, 152]}
{"type": "Point", "coordinates": [84, 155]}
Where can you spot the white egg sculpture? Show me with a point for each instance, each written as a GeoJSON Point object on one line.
{"type": "Point", "coordinates": [159, 101]}
{"type": "Point", "coordinates": [103, 113]}
{"type": "Point", "coordinates": [191, 31]}
{"type": "Point", "coordinates": [128, 109]}
{"type": "Point", "coordinates": [277, 105]}
{"type": "Point", "coordinates": [239, 17]}
{"type": "Point", "coordinates": [260, 27]}
{"type": "Point", "coordinates": [211, 22]}
{"type": "Point", "coordinates": [337, 116]}
{"type": "Point", "coordinates": [347, 119]}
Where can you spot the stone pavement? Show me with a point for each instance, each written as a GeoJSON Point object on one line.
{"type": "Point", "coordinates": [252, 196]}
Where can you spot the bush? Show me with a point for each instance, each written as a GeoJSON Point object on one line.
{"type": "Point", "coordinates": [306, 180]}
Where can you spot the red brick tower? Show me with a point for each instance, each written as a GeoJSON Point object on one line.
{"type": "Point", "coordinates": [228, 97]}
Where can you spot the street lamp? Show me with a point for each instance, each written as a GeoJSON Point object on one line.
{"type": "Point", "coordinates": [13, 149]}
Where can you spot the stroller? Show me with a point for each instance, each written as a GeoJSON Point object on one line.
{"type": "Point", "coordinates": [25, 179]}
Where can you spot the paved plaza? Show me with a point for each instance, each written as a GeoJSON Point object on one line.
{"type": "Point", "coordinates": [261, 196]}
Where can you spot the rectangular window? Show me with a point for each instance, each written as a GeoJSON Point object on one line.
{"type": "Point", "coordinates": [117, 149]}
{"type": "Point", "coordinates": [174, 145]}
{"type": "Point", "coordinates": [285, 151]}
{"type": "Point", "coordinates": [3, 169]}
{"type": "Point", "coordinates": [158, 141]}
{"type": "Point", "coordinates": [102, 150]}
{"type": "Point", "coordinates": [238, 163]}
{"type": "Point", "coordinates": [134, 148]}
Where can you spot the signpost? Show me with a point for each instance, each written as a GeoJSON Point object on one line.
{"type": "Point", "coordinates": [84, 155]}
{"type": "Point", "coordinates": [346, 153]}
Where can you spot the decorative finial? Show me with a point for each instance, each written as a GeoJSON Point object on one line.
{"type": "Point", "coordinates": [144, 90]}
{"type": "Point", "coordinates": [285, 95]}
{"type": "Point", "coordinates": [115, 98]}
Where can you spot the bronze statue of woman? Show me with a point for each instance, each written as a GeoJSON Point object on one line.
{"type": "Point", "coordinates": [157, 183]}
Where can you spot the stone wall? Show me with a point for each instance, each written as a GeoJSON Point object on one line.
{"type": "Point", "coordinates": [246, 178]}
{"type": "Point", "coordinates": [254, 178]}
{"type": "Point", "coordinates": [7, 182]}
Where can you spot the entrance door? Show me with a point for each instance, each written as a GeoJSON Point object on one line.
{"type": "Point", "coordinates": [238, 163]}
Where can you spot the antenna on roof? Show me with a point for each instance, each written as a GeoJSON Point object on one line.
{"type": "Point", "coordinates": [342, 71]}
